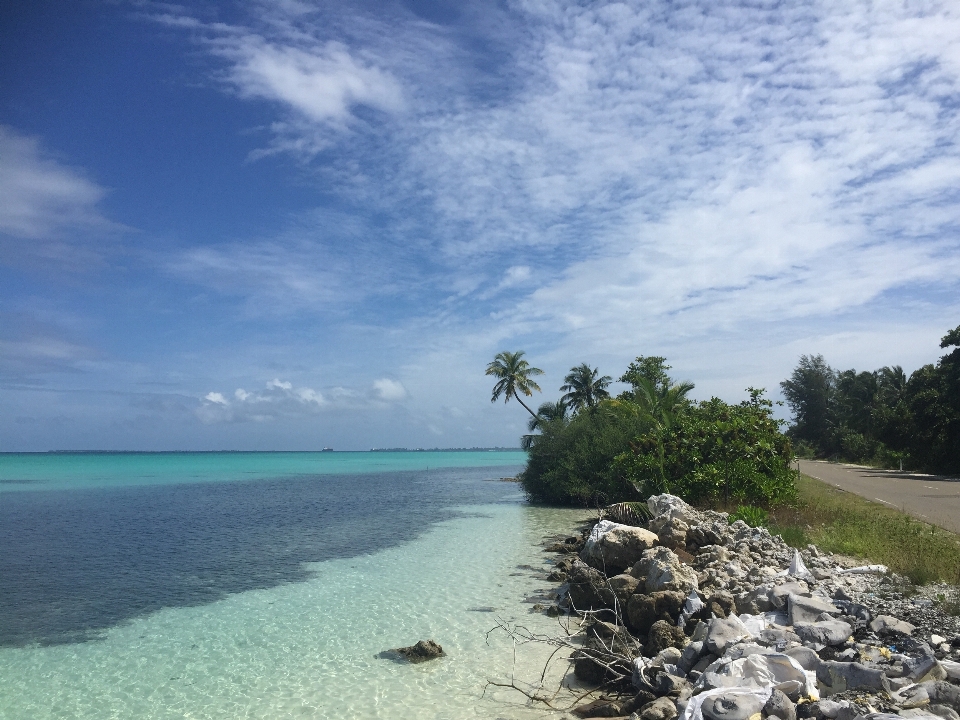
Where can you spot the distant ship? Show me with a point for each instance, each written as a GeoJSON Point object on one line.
{"type": "Point", "coordinates": [327, 450]}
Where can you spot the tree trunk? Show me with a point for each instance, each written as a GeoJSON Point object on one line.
{"type": "Point", "coordinates": [525, 406]}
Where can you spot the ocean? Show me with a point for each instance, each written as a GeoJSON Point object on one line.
{"type": "Point", "coordinates": [264, 585]}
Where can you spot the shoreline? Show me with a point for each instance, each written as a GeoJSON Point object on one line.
{"type": "Point", "coordinates": [740, 574]}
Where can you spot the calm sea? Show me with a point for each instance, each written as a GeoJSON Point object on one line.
{"type": "Point", "coordinates": [260, 584]}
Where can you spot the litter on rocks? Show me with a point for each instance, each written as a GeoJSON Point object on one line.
{"type": "Point", "coordinates": [698, 618]}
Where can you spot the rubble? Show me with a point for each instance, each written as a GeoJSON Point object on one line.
{"type": "Point", "coordinates": [719, 621]}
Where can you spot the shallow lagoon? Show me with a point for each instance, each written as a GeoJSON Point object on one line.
{"type": "Point", "coordinates": [307, 648]}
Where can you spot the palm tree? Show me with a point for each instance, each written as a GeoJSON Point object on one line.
{"type": "Point", "coordinates": [548, 412]}
{"type": "Point", "coordinates": [661, 402]}
{"type": "Point", "coordinates": [513, 375]}
{"type": "Point", "coordinates": [584, 388]}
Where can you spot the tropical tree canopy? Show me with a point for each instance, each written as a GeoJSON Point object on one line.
{"type": "Point", "coordinates": [584, 388]}
{"type": "Point", "coordinates": [514, 377]}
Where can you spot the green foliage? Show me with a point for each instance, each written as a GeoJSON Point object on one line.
{"type": "Point", "coordinates": [571, 461]}
{"type": "Point", "coordinates": [714, 452]}
{"type": "Point", "coordinates": [652, 369]}
{"type": "Point", "coordinates": [880, 417]}
{"type": "Point", "coordinates": [750, 514]}
{"type": "Point", "coordinates": [514, 377]}
{"type": "Point", "coordinates": [584, 387]}
{"type": "Point", "coordinates": [842, 522]}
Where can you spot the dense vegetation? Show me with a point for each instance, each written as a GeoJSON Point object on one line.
{"type": "Point", "coordinates": [881, 417]}
{"type": "Point", "coordinates": [653, 439]}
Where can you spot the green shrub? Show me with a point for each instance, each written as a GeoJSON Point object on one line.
{"type": "Point", "coordinates": [714, 452]}
{"type": "Point", "coordinates": [750, 514]}
{"type": "Point", "coordinates": [571, 461]}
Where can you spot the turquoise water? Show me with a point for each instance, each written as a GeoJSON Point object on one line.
{"type": "Point", "coordinates": [439, 553]}
{"type": "Point", "coordinates": [64, 471]}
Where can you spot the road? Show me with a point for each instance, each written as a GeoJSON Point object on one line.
{"type": "Point", "coordinates": [931, 498]}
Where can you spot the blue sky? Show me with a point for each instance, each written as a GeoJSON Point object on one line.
{"type": "Point", "coordinates": [285, 225]}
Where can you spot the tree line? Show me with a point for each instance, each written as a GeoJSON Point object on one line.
{"type": "Point", "coordinates": [882, 416]}
{"type": "Point", "coordinates": [590, 448]}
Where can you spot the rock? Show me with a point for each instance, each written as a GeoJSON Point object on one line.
{"type": "Point", "coordinates": [825, 632]}
{"type": "Point", "coordinates": [724, 632]}
{"type": "Point", "coordinates": [672, 532]}
{"type": "Point", "coordinates": [806, 657]}
{"type": "Point", "coordinates": [663, 635]}
{"type": "Point", "coordinates": [668, 656]}
{"type": "Point", "coordinates": [802, 609]}
{"type": "Point", "coordinates": [779, 593]}
{"type": "Point", "coordinates": [690, 655]}
{"type": "Point", "coordinates": [671, 684]}
{"type": "Point", "coordinates": [624, 586]}
{"type": "Point", "coordinates": [830, 708]}
{"type": "Point", "coordinates": [613, 548]}
{"type": "Point", "coordinates": [671, 506]}
{"type": "Point", "coordinates": [598, 708]}
{"type": "Point", "coordinates": [887, 625]}
{"type": "Point", "coordinates": [840, 676]}
{"type": "Point", "coordinates": [588, 588]}
{"type": "Point", "coordinates": [660, 709]}
{"type": "Point", "coordinates": [731, 706]}
{"type": "Point", "coordinates": [780, 706]}
{"type": "Point", "coordinates": [944, 711]}
{"type": "Point", "coordinates": [660, 569]}
{"type": "Point", "coordinates": [644, 610]}
{"type": "Point", "coordinates": [421, 652]}
{"type": "Point", "coordinates": [613, 636]}
{"type": "Point", "coordinates": [754, 602]}
{"type": "Point", "coordinates": [943, 693]}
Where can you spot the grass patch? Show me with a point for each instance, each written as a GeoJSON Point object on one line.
{"type": "Point", "coordinates": [841, 522]}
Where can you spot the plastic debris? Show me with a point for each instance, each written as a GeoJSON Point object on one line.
{"type": "Point", "coordinates": [864, 570]}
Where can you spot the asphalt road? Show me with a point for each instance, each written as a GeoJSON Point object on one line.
{"type": "Point", "coordinates": [931, 498]}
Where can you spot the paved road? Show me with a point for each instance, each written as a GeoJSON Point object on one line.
{"type": "Point", "coordinates": [929, 497]}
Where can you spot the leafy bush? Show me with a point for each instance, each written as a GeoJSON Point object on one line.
{"type": "Point", "coordinates": [624, 450]}
{"type": "Point", "coordinates": [750, 514]}
{"type": "Point", "coordinates": [714, 452]}
{"type": "Point", "coordinates": [571, 461]}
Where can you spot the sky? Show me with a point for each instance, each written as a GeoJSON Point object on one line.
{"type": "Point", "coordinates": [288, 225]}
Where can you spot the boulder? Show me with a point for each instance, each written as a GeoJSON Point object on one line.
{"type": "Point", "coordinates": [779, 593]}
{"type": "Point", "coordinates": [598, 708]}
{"type": "Point", "coordinates": [663, 635]}
{"type": "Point", "coordinates": [888, 625]}
{"type": "Point", "coordinates": [672, 507]}
{"type": "Point", "coordinates": [824, 632]}
{"type": "Point", "coordinates": [421, 652]}
{"type": "Point", "coordinates": [672, 532]}
{"type": "Point", "coordinates": [780, 706]}
{"type": "Point", "coordinates": [691, 654]}
{"type": "Point", "coordinates": [802, 609]}
{"type": "Point", "coordinates": [624, 586]}
{"type": "Point", "coordinates": [661, 569]}
{"type": "Point", "coordinates": [613, 548]}
{"type": "Point", "coordinates": [754, 602]}
{"type": "Point", "coordinates": [588, 588]}
{"type": "Point", "coordinates": [660, 709]}
{"type": "Point", "coordinates": [724, 632]}
{"type": "Point", "coordinates": [644, 610]}
{"type": "Point", "coordinates": [806, 657]}
{"type": "Point", "coordinates": [841, 676]}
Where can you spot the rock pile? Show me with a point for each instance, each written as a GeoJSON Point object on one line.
{"type": "Point", "coordinates": [693, 616]}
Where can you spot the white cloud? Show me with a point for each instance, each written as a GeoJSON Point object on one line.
{"type": "Point", "coordinates": [323, 82]}
{"type": "Point", "coordinates": [279, 398]}
{"type": "Point", "coordinates": [40, 198]}
{"type": "Point", "coordinates": [389, 390]}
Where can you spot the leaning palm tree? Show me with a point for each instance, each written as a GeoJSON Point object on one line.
{"type": "Point", "coordinates": [547, 413]}
{"type": "Point", "coordinates": [584, 388]}
{"type": "Point", "coordinates": [513, 375]}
